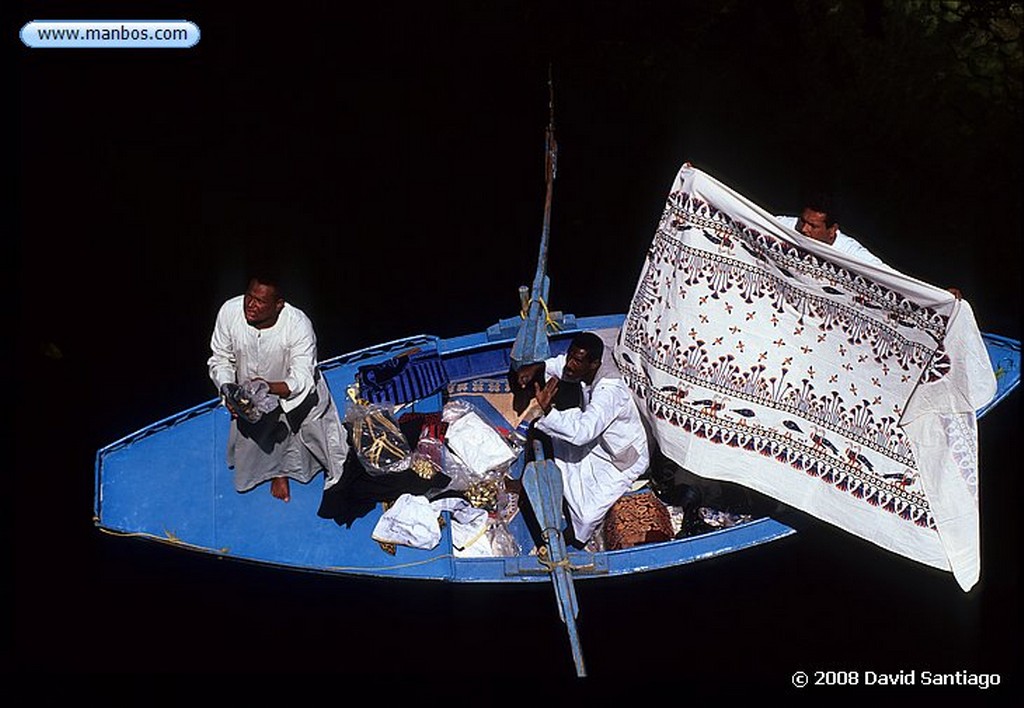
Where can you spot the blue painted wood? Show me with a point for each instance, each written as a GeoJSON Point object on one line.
{"type": "Point", "coordinates": [168, 482]}
{"type": "Point", "coordinates": [1005, 356]}
{"type": "Point", "coordinates": [543, 484]}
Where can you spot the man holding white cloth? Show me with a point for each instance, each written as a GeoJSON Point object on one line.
{"type": "Point", "coordinates": [259, 338]}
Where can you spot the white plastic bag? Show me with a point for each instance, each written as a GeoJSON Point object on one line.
{"type": "Point", "coordinates": [477, 444]}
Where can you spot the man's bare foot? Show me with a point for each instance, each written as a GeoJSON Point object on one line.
{"type": "Point", "coordinates": [280, 489]}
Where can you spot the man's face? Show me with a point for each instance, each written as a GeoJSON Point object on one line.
{"type": "Point", "coordinates": [578, 367]}
{"type": "Point", "coordinates": [812, 224]}
{"type": "Point", "coordinates": [262, 304]}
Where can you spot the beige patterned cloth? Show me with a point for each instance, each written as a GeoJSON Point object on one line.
{"type": "Point", "coordinates": [841, 388]}
{"type": "Point", "coordinates": [495, 391]}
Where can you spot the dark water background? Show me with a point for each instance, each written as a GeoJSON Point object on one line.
{"type": "Point", "coordinates": [393, 158]}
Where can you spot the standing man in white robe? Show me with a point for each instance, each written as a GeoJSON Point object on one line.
{"type": "Point", "coordinates": [814, 224]}
{"type": "Point", "coordinates": [601, 447]}
{"type": "Point", "coordinates": [259, 337]}
{"type": "Point", "coordinates": [818, 220]}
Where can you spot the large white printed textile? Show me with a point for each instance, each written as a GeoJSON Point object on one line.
{"type": "Point", "coordinates": [847, 390]}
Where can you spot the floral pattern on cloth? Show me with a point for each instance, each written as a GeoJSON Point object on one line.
{"type": "Point", "coordinates": [762, 357]}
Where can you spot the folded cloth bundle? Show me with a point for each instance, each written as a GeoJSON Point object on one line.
{"type": "Point", "coordinates": [410, 521]}
{"type": "Point", "coordinates": [251, 400]}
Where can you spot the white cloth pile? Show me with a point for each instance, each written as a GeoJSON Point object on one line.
{"type": "Point", "coordinates": [476, 453]}
{"type": "Point", "coordinates": [413, 521]}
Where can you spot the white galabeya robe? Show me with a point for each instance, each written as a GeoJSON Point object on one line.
{"type": "Point", "coordinates": [600, 449]}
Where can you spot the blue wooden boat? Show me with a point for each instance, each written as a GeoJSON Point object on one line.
{"type": "Point", "coordinates": [169, 482]}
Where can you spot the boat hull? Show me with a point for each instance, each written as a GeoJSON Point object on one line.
{"type": "Point", "coordinates": [169, 483]}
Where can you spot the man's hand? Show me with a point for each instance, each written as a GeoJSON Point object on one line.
{"type": "Point", "coordinates": [527, 373]}
{"type": "Point", "coordinates": [278, 388]}
{"type": "Point", "coordinates": [956, 293]}
{"type": "Point", "coordinates": [544, 396]}
{"type": "Point", "coordinates": [228, 393]}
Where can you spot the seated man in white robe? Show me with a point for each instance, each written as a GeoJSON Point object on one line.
{"type": "Point", "coordinates": [601, 447]}
{"type": "Point", "coordinates": [258, 338]}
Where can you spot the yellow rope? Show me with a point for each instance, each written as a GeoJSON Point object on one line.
{"type": "Point", "coordinates": [474, 539]}
{"type": "Point", "coordinates": [548, 321]}
{"type": "Point", "coordinates": [350, 568]}
{"type": "Point", "coordinates": [168, 537]}
{"type": "Point", "coordinates": [542, 559]}
{"type": "Point", "coordinates": [174, 540]}
{"type": "Point", "coordinates": [380, 440]}
{"type": "Point", "coordinates": [551, 565]}
{"type": "Point", "coordinates": [353, 394]}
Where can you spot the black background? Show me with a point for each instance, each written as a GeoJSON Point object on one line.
{"type": "Point", "coordinates": [393, 159]}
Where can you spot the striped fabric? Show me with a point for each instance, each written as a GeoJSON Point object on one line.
{"type": "Point", "coordinates": [402, 379]}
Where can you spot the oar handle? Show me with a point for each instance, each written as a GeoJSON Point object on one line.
{"type": "Point", "coordinates": [538, 451]}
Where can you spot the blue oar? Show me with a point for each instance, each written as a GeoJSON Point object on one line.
{"type": "Point", "coordinates": [543, 484]}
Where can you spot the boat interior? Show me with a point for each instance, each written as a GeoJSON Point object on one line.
{"type": "Point", "coordinates": [183, 456]}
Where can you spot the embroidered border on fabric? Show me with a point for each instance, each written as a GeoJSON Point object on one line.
{"type": "Point", "coordinates": [860, 319]}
